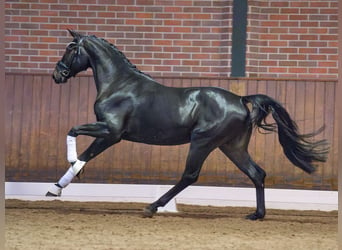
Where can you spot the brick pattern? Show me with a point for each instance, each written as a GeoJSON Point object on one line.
{"type": "Point", "coordinates": [293, 39]}
{"type": "Point", "coordinates": [170, 37]}
{"type": "Point", "coordinates": [178, 37]}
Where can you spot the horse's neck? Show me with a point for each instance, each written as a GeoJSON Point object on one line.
{"type": "Point", "coordinates": [111, 70]}
{"type": "Point", "coordinates": [107, 72]}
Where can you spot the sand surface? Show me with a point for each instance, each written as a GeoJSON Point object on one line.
{"type": "Point", "coordinates": [92, 225]}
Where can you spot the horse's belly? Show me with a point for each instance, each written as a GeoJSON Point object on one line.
{"type": "Point", "coordinates": [159, 137]}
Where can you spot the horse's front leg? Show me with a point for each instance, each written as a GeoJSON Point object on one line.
{"type": "Point", "coordinates": [104, 140]}
{"type": "Point", "coordinates": [97, 129]}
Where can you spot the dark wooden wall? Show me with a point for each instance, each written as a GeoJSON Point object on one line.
{"type": "Point", "coordinates": [39, 114]}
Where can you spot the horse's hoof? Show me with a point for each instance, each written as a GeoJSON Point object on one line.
{"type": "Point", "coordinates": [54, 191]}
{"type": "Point", "coordinates": [148, 212]}
{"type": "Point", "coordinates": [255, 216]}
{"type": "Point", "coordinates": [49, 194]}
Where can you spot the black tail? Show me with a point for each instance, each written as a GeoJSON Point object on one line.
{"type": "Point", "coordinates": [298, 148]}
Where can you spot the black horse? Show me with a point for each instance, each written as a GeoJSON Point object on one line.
{"type": "Point", "coordinates": [130, 105]}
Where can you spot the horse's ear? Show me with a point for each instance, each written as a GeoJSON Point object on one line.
{"type": "Point", "coordinates": [74, 34]}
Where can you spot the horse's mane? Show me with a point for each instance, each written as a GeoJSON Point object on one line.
{"type": "Point", "coordinates": [120, 54]}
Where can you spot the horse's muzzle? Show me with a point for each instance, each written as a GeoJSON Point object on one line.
{"type": "Point", "coordinates": [58, 78]}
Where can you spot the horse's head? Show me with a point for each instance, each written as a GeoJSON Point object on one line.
{"type": "Point", "coordinates": [74, 60]}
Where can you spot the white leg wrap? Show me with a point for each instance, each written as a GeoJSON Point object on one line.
{"type": "Point", "coordinates": [71, 173]}
{"type": "Point", "coordinates": [78, 166]}
{"type": "Point", "coordinates": [66, 178]}
{"type": "Point", "coordinates": [71, 147]}
{"type": "Point", "coordinates": [57, 191]}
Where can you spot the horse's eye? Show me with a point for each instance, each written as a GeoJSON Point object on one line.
{"type": "Point", "coordinates": [71, 45]}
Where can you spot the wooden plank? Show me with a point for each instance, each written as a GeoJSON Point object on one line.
{"type": "Point", "coordinates": [34, 139]}
{"type": "Point", "coordinates": [224, 84]}
{"type": "Point", "coordinates": [155, 166]}
{"type": "Point", "coordinates": [136, 162]}
{"type": "Point", "coordinates": [238, 87]}
{"type": "Point", "coordinates": [195, 82]}
{"type": "Point", "coordinates": [53, 132]}
{"type": "Point", "coordinates": [184, 83]}
{"type": "Point", "coordinates": [309, 112]}
{"type": "Point", "coordinates": [43, 133]}
{"type": "Point", "coordinates": [73, 102]}
{"type": "Point", "coordinates": [328, 171]}
{"type": "Point", "coordinates": [83, 100]}
{"type": "Point", "coordinates": [16, 166]}
{"type": "Point", "coordinates": [12, 137]}
{"type": "Point", "coordinates": [125, 164]}
{"type": "Point", "coordinates": [145, 159]}
{"type": "Point", "coordinates": [64, 126]}
{"type": "Point", "coordinates": [335, 143]}
{"type": "Point", "coordinates": [46, 129]}
{"type": "Point", "coordinates": [26, 128]}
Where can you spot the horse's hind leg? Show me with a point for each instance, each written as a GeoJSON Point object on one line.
{"type": "Point", "coordinates": [197, 154]}
{"type": "Point", "coordinates": [243, 161]}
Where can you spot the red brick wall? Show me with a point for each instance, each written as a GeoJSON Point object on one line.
{"type": "Point", "coordinates": [293, 39]}
{"type": "Point", "coordinates": [179, 37]}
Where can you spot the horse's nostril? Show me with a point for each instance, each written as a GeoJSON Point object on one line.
{"type": "Point", "coordinates": [65, 73]}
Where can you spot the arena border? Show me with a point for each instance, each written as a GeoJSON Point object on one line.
{"type": "Point", "coordinates": [288, 199]}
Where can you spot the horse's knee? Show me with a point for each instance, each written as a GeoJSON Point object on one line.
{"type": "Point", "coordinates": [72, 132]}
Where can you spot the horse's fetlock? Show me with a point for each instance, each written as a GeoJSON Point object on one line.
{"type": "Point", "coordinates": [149, 211]}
